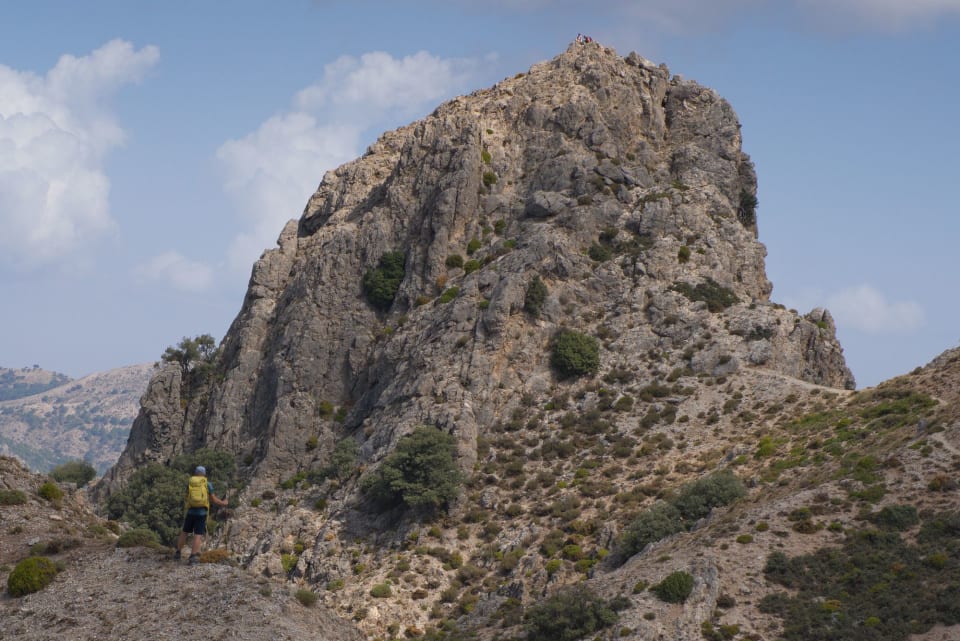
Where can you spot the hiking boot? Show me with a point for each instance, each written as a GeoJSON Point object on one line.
{"type": "Point", "coordinates": [193, 560]}
{"type": "Point", "coordinates": [177, 556]}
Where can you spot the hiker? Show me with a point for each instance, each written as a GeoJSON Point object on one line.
{"type": "Point", "coordinates": [197, 503]}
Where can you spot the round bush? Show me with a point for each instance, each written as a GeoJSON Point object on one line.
{"type": "Point", "coordinates": [675, 588]}
{"type": "Point", "coordinates": [380, 591]}
{"type": "Point", "coordinates": [79, 472]}
{"type": "Point", "coordinates": [575, 354]}
{"type": "Point", "coordinates": [31, 575]}
{"type": "Point", "coordinates": [50, 491]}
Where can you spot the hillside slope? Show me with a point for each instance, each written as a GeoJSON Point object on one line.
{"type": "Point", "coordinates": [88, 418]}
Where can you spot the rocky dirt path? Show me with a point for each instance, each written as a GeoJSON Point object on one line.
{"type": "Point", "coordinates": [139, 593]}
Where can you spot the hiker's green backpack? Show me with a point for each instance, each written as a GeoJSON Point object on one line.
{"type": "Point", "coordinates": [197, 493]}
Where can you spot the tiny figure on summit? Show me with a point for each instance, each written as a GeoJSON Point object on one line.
{"type": "Point", "coordinates": [197, 504]}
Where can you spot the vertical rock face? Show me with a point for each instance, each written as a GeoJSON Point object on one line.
{"type": "Point", "coordinates": [623, 188]}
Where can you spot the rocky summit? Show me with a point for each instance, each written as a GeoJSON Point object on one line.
{"type": "Point", "coordinates": [561, 276]}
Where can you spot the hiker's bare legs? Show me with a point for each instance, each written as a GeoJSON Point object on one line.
{"type": "Point", "coordinates": [181, 540]}
{"type": "Point", "coordinates": [197, 540]}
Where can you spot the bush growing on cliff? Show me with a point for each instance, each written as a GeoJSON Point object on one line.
{"type": "Point", "coordinates": [535, 297]}
{"type": "Point", "coordinates": [420, 473]}
{"type": "Point", "coordinates": [381, 284]}
{"type": "Point", "coordinates": [747, 209]}
{"type": "Point", "coordinates": [197, 359]}
{"type": "Point", "coordinates": [716, 296]}
{"type": "Point", "coordinates": [79, 472]}
{"type": "Point", "coordinates": [575, 354]}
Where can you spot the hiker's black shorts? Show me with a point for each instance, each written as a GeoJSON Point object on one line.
{"type": "Point", "coordinates": [196, 523]}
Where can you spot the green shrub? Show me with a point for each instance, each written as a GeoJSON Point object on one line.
{"type": "Point", "coordinates": [343, 459]}
{"type": "Point", "coordinates": [421, 472]}
{"type": "Point", "coordinates": [747, 209]}
{"type": "Point", "coordinates": [307, 598]}
{"type": "Point", "coordinates": [448, 295]}
{"type": "Point", "coordinates": [12, 497]}
{"type": "Point", "coordinates": [569, 615]}
{"type": "Point", "coordinates": [675, 588]}
{"type": "Point", "coordinates": [471, 266]}
{"type": "Point", "coordinates": [695, 500]}
{"type": "Point", "coordinates": [599, 253]}
{"type": "Point", "coordinates": [485, 157]}
{"type": "Point", "coordinates": [138, 537]}
{"type": "Point", "coordinates": [473, 246]}
{"type": "Point", "coordinates": [50, 491]}
{"type": "Point", "coordinates": [454, 261]}
{"type": "Point", "coordinates": [575, 354]}
{"type": "Point", "coordinates": [153, 497]}
{"type": "Point", "coordinates": [683, 254]}
{"type": "Point", "coordinates": [659, 522]}
{"type": "Point", "coordinates": [716, 296]}
{"type": "Point", "coordinates": [381, 591]}
{"type": "Point", "coordinates": [896, 517]}
{"type": "Point", "coordinates": [381, 284]}
{"type": "Point", "coordinates": [489, 179]}
{"type": "Point", "coordinates": [78, 472]}
{"type": "Point", "coordinates": [535, 297]}
{"type": "Point", "coordinates": [288, 562]}
{"type": "Point", "coordinates": [31, 575]}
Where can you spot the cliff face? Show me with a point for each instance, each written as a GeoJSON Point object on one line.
{"type": "Point", "coordinates": [625, 190]}
{"type": "Point", "coordinates": [588, 148]}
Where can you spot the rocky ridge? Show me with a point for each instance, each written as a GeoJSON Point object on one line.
{"type": "Point", "coordinates": [625, 190]}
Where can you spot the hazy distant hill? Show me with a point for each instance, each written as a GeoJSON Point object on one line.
{"type": "Point", "coordinates": [18, 383]}
{"type": "Point", "coordinates": [46, 418]}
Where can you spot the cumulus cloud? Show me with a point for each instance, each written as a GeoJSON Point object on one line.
{"type": "Point", "coordinates": [866, 309]}
{"type": "Point", "coordinates": [177, 271]}
{"type": "Point", "coordinates": [55, 131]}
{"type": "Point", "coordinates": [270, 173]}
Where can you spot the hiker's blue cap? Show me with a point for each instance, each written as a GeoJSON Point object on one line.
{"type": "Point", "coordinates": [201, 470]}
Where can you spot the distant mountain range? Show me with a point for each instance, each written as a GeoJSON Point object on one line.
{"type": "Point", "coordinates": [47, 418]}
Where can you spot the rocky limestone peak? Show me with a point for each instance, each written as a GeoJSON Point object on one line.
{"type": "Point", "coordinates": [622, 188]}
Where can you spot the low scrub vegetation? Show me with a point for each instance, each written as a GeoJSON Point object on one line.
{"type": "Point", "coordinates": [679, 513]}
{"type": "Point", "coordinates": [716, 296]}
{"type": "Point", "coordinates": [876, 587]}
{"type": "Point", "coordinates": [572, 614]}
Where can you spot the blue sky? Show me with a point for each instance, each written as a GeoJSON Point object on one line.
{"type": "Point", "coordinates": [150, 151]}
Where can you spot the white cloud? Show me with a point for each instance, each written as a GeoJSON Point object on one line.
{"type": "Point", "coordinates": [54, 133]}
{"type": "Point", "coordinates": [866, 309]}
{"type": "Point", "coordinates": [177, 271]}
{"type": "Point", "coordinates": [270, 173]}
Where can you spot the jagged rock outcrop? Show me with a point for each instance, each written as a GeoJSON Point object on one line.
{"type": "Point", "coordinates": [623, 188]}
